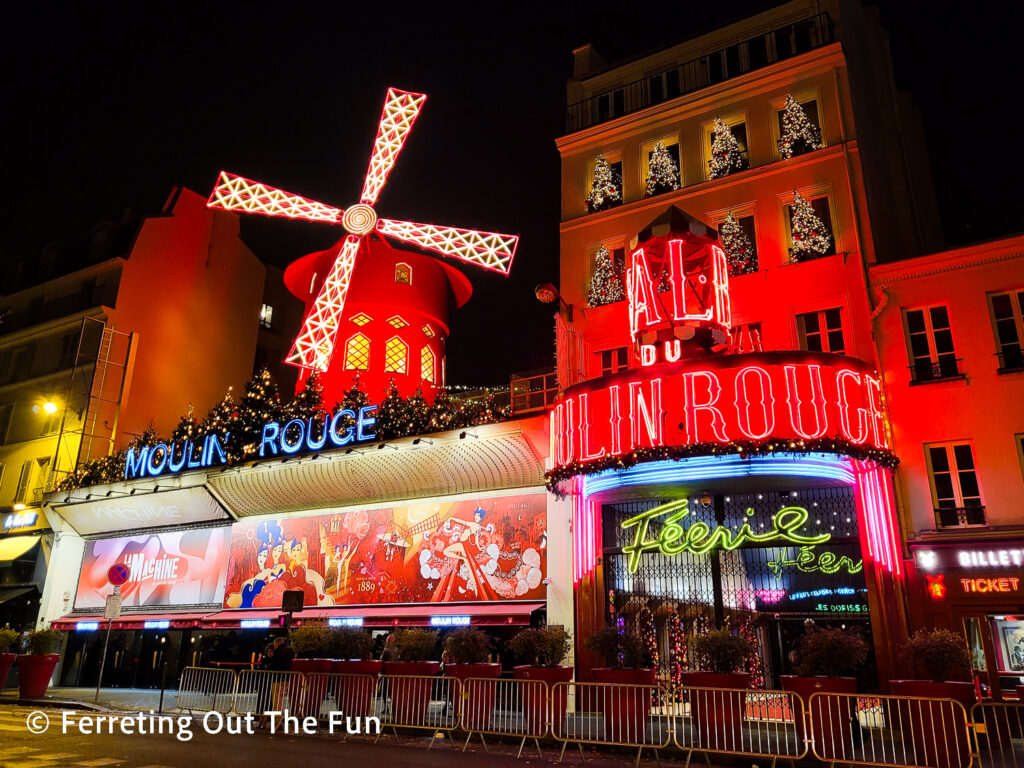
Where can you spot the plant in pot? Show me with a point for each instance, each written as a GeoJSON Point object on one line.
{"type": "Point", "coordinates": [311, 642]}
{"type": "Point", "coordinates": [357, 671]}
{"type": "Point", "coordinates": [467, 650]}
{"type": "Point", "coordinates": [35, 668]}
{"type": "Point", "coordinates": [716, 707]}
{"type": "Point", "coordinates": [543, 649]}
{"type": "Point", "coordinates": [8, 637]}
{"type": "Point", "coordinates": [823, 657]}
{"type": "Point", "coordinates": [626, 705]}
{"type": "Point", "coordinates": [411, 686]}
{"type": "Point", "coordinates": [942, 655]}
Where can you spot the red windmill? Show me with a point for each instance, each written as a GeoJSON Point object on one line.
{"type": "Point", "coordinates": [314, 347]}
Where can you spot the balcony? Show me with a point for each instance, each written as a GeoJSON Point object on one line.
{"type": "Point", "coordinates": [927, 371]}
{"type": "Point", "coordinates": [532, 392]}
{"type": "Point", "coordinates": [1011, 359]}
{"type": "Point", "coordinates": [960, 517]}
{"type": "Point", "coordinates": [747, 56]}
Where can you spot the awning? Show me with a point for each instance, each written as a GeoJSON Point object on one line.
{"type": "Point", "coordinates": [233, 619]}
{"type": "Point", "coordinates": [13, 547]}
{"type": "Point", "coordinates": [10, 594]}
{"type": "Point", "coordinates": [480, 614]}
{"type": "Point", "coordinates": [135, 621]}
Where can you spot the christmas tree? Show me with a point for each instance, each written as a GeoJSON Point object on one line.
{"type": "Point", "coordinates": [739, 251]}
{"type": "Point", "coordinates": [308, 403]}
{"type": "Point", "coordinates": [260, 403]}
{"type": "Point", "coordinates": [725, 152]}
{"type": "Point", "coordinates": [419, 412]}
{"type": "Point", "coordinates": [678, 656]}
{"type": "Point", "coordinates": [811, 238]}
{"type": "Point", "coordinates": [755, 664]}
{"type": "Point", "coordinates": [798, 133]}
{"type": "Point", "coordinates": [188, 427]}
{"type": "Point", "coordinates": [662, 173]}
{"type": "Point", "coordinates": [606, 282]}
{"type": "Point", "coordinates": [605, 189]}
{"type": "Point", "coordinates": [392, 415]}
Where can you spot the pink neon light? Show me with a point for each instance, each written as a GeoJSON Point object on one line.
{"type": "Point", "coordinates": [692, 407]}
{"type": "Point", "coordinates": [844, 408]}
{"type": "Point", "coordinates": [767, 402]}
{"type": "Point", "coordinates": [876, 511]}
{"type": "Point", "coordinates": [795, 402]}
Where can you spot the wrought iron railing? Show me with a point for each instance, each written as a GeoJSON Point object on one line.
{"type": "Point", "coordinates": [958, 517]}
{"type": "Point", "coordinates": [737, 59]}
{"type": "Point", "coordinates": [1011, 358]}
{"type": "Point", "coordinates": [935, 370]}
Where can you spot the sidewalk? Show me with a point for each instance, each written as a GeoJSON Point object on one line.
{"type": "Point", "coordinates": [112, 699]}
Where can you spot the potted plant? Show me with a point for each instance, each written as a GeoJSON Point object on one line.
{"type": "Point", "coordinates": [467, 650]}
{"type": "Point", "coordinates": [356, 671]}
{"type": "Point", "coordinates": [35, 668]}
{"type": "Point", "coordinates": [626, 709]}
{"type": "Point", "coordinates": [543, 649]}
{"type": "Point", "coordinates": [8, 637]}
{"type": "Point", "coordinates": [311, 642]}
{"type": "Point", "coordinates": [823, 657]}
{"type": "Point", "coordinates": [717, 714]}
{"type": "Point", "coordinates": [410, 688]}
{"type": "Point", "coordinates": [942, 655]}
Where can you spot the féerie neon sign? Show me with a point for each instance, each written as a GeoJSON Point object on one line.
{"type": "Point", "coordinates": [699, 538]}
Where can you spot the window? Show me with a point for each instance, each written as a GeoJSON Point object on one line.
{"type": "Point", "coordinates": [1008, 323]}
{"type": "Point", "coordinates": [810, 108]}
{"type": "Point", "coordinates": [360, 319]}
{"type": "Point", "coordinates": [821, 331]}
{"type": "Point", "coordinates": [32, 480]}
{"type": "Point", "coordinates": [930, 344]}
{"type": "Point", "coordinates": [614, 360]}
{"type": "Point", "coordinates": [68, 351]}
{"type": "Point", "coordinates": [266, 316]}
{"type": "Point", "coordinates": [745, 338]}
{"type": "Point", "coordinates": [51, 423]}
{"type": "Point", "coordinates": [396, 353]}
{"type": "Point", "coordinates": [1019, 441]}
{"type": "Point", "coordinates": [738, 128]}
{"type": "Point", "coordinates": [397, 322]}
{"type": "Point", "coordinates": [6, 411]}
{"type": "Point", "coordinates": [741, 262]}
{"type": "Point", "coordinates": [955, 488]}
{"type": "Point", "coordinates": [428, 331]}
{"type": "Point", "coordinates": [822, 210]}
{"type": "Point", "coordinates": [647, 152]}
{"type": "Point", "coordinates": [403, 273]}
{"type": "Point", "coordinates": [357, 353]}
{"type": "Point", "coordinates": [602, 199]}
{"type": "Point", "coordinates": [5, 366]}
{"type": "Point", "coordinates": [23, 359]}
{"type": "Point", "coordinates": [427, 364]}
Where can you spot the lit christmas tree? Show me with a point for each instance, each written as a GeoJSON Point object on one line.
{"type": "Point", "coordinates": [725, 152]}
{"type": "Point", "coordinates": [649, 636]}
{"type": "Point", "coordinates": [392, 415]}
{"type": "Point", "coordinates": [662, 173]}
{"type": "Point", "coordinates": [798, 133]}
{"type": "Point", "coordinates": [308, 403]}
{"type": "Point", "coordinates": [739, 251]}
{"type": "Point", "coordinates": [678, 656]}
{"type": "Point", "coordinates": [219, 421]}
{"type": "Point", "coordinates": [605, 189]}
{"type": "Point", "coordinates": [811, 238]}
{"type": "Point", "coordinates": [755, 664]}
{"type": "Point", "coordinates": [419, 412]}
{"type": "Point", "coordinates": [188, 427]}
{"type": "Point", "coordinates": [606, 283]}
{"type": "Point", "coordinates": [260, 403]}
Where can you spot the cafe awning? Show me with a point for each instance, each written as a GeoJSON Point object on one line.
{"type": "Point", "coordinates": [14, 547]}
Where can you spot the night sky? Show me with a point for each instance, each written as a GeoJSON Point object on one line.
{"type": "Point", "coordinates": [108, 107]}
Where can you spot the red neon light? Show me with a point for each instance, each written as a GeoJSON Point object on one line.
{"type": "Point", "coordinates": [766, 402]}
{"type": "Point", "coordinates": [645, 412]}
{"type": "Point", "coordinates": [936, 588]}
{"type": "Point", "coordinates": [712, 391]}
{"type": "Point", "coordinates": [842, 377]}
{"type": "Point", "coordinates": [586, 454]}
{"type": "Point", "coordinates": [644, 309]}
{"type": "Point", "coordinates": [314, 346]}
{"type": "Point", "coordinates": [795, 401]}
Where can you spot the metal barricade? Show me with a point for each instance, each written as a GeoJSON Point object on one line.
{"type": "Point", "coordinates": [999, 730]}
{"type": "Point", "coordinates": [203, 689]}
{"type": "Point", "coordinates": [903, 731]}
{"type": "Point", "coordinates": [327, 692]}
{"type": "Point", "coordinates": [738, 721]}
{"type": "Point", "coordinates": [612, 714]}
{"type": "Point", "coordinates": [513, 708]}
{"type": "Point", "coordinates": [417, 701]}
{"type": "Point", "coordinates": [261, 691]}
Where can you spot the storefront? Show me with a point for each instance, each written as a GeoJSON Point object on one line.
{"type": "Point", "coordinates": [975, 587]}
{"type": "Point", "coordinates": [25, 541]}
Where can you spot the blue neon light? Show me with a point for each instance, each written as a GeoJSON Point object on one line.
{"type": "Point", "coordinates": [87, 626]}
{"type": "Point", "coordinates": [156, 624]}
{"type": "Point", "coordinates": [254, 623]}
{"type": "Point", "coordinates": [347, 621]}
{"type": "Point", "coordinates": [449, 621]}
{"type": "Point", "coordinates": [826, 592]}
{"type": "Point", "coordinates": [816, 465]}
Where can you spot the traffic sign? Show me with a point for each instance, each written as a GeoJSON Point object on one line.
{"type": "Point", "coordinates": [118, 574]}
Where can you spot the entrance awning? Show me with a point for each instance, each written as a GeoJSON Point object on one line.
{"type": "Point", "coordinates": [234, 619]}
{"type": "Point", "coordinates": [480, 614]}
{"type": "Point", "coordinates": [13, 547]}
{"type": "Point", "coordinates": [10, 594]}
{"type": "Point", "coordinates": [135, 621]}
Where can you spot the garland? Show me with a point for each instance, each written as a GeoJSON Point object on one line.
{"type": "Point", "coordinates": [744, 448]}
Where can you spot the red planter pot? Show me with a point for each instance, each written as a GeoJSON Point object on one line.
{"type": "Point", "coordinates": [830, 717]}
{"type": "Point", "coordinates": [316, 685]}
{"type": "Point", "coordinates": [34, 673]}
{"type": "Point", "coordinates": [534, 704]}
{"type": "Point", "coordinates": [626, 711]}
{"type": "Point", "coordinates": [6, 662]}
{"type": "Point", "coordinates": [939, 735]}
{"type": "Point", "coordinates": [410, 696]}
{"type": "Point", "coordinates": [478, 695]}
{"type": "Point", "coordinates": [717, 715]}
{"type": "Point", "coordinates": [355, 693]}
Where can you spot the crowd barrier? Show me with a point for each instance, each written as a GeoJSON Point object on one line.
{"type": "Point", "coordinates": [847, 729]}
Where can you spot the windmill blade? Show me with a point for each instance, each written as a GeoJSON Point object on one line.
{"type": "Point", "coordinates": [314, 345]}
{"type": "Point", "coordinates": [401, 109]}
{"type": "Point", "coordinates": [235, 193]}
{"type": "Point", "coordinates": [489, 250]}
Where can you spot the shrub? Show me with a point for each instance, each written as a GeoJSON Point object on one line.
{"type": "Point", "coordinates": [543, 647]}
{"type": "Point", "coordinates": [415, 644]}
{"type": "Point", "coordinates": [43, 641]}
{"type": "Point", "coordinates": [8, 637]}
{"type": "Point", "coordinates": [941, 652]}
{"type": "Point", "coordinates": [721, 651]}
{"type": "Point", "coordinates": [467, 646]}
{"type": "Point", "coordinates": [620, 651]}
{"type": "Point", "coordinates": [312, 640]}
{"type": "Point", "coordinates": [830, 652]}
{"type": "Point", "coordinates": [351, 643]}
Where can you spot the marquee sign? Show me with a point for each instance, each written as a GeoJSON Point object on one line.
{"type": "Point", "coordinates": [788, 397]}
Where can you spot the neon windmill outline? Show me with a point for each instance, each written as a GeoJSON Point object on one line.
{"type": "Point", "coordinates": [314, 346]}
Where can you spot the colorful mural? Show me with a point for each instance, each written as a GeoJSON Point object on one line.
{"type": "Point", "coordinates": [477, 550]}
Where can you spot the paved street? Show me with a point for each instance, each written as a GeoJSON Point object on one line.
{"type": "Point", "coordinates": [21, 749]}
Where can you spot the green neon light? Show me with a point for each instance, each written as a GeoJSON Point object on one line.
{"type": "Point", "coordinates": [699, 538]}
{"type": "Point", "coordinates": [809, 561]}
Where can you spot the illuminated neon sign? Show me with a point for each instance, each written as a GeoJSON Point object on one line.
{"type": "Point", "coordinates": [936, 586]}
{"type": "Point", "coordinates": [1005, 557]}
{"type": "Point", "coordinates": [773, 396]}
{"type": "Point", "coordinates": [254, 624]}
{"type": "Point", "coordinates": [157, 624]}
{"type": "Point", "coordinates": [16, 520]}
{"type": "Point", "coordinates": [809, 561]}
{"type": "Point", "coordinates": [1002, 584]}
{"type": "Point", "coordinates": [288, 438]}
{"type": "Point", "coordinates": [449, 621]}
{"type": "Point", "coordinates": [87, 626]}
{"type": "Point", "coordinates": [699, 538]}
{"type": "Point", "coordinates": [345, 621]}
